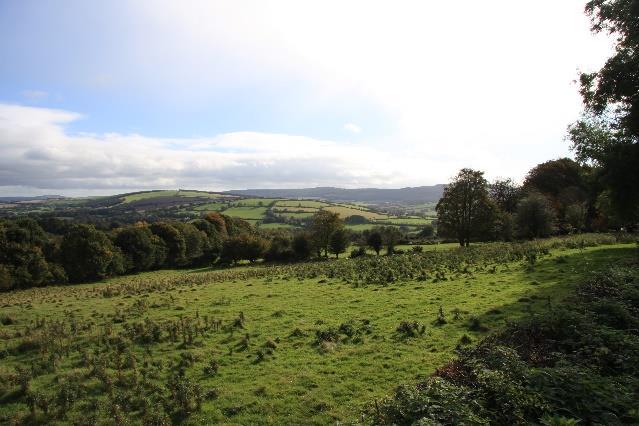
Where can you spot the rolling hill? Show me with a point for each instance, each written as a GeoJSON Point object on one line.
{"type": "Point", "coordinates": [414, 195]}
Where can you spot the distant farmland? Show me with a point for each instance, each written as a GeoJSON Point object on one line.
{"type": "Point", "coordinates": [268, 213]}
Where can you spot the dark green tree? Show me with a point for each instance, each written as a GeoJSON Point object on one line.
{"type": "Point", "coordinates": [323, 224]}
{"type": "Point", "coordinates": [88, 254]}
{"type": "Point", "coordinates": [174, 242]}
{"type": "Point", "coordinates": [243, 247]}
{"type": "Point", "coordinates": [139, 247]}
{"type": "Point", "coordinates": [390, 236]}
{"type": "Point", "coordinates": [279, 249]}
{"type": "Point", "coordinates": [214, 238]}
{"type": "Point", "coordinates": [375, 241]}
{"type": "Point", "coordinates": [563, 182]}
{"type": "Point", "coordinates": [339, 242]}
{"type": "Point", "coordinates": [616, 84]}
{"type": "Point", "coordinates": [608, 134]}
{"type": "Point", "coordinates": [195, 242]}
{"type": "Point", "coordinates": [534, 218]}
{"type": "Point", "coordinates": [505, 194]}
{"type": "Point", "coordinates": [465, 210]}
{"type": "Point", "coordinates": [301, 246]}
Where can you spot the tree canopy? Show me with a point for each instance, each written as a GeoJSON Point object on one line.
{"type": "Point", "coordinates": [465, 211]}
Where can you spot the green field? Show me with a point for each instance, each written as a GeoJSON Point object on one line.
{"type": "Point", "coordinates": [255, 202]}
{"type": "Point", "coordinates": [211, 207]}
{"type": "Point", "coordinates": [301, 203]}
{"type": "Point", "coordinates": [147, 195]}
{"type": "Point", "coordinates": [171, 193]}
{"type": "Point", "coordinates": [255, 213]}
{"type": "Point", "coordinates": [271, 366]}
{"type": "Point", "coordinates": [405, 221]}
{"type": "Point", "coordinates": [280, 209]}
{"type": "Point", "coordinates": [345, 212]}
{"type": "Point", "coordinates": [295, 215]}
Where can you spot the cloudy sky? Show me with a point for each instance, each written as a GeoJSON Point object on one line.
{"type": "Point", "coordinates": [115, 96]}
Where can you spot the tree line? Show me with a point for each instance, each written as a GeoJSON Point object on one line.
{"type": "Point", "coordinates": [560, 196]}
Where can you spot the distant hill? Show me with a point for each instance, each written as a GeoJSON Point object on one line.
{"type": "Point", "coordinates": [420, 194]}
{"type": "Point", "coordinates": [35, 198]}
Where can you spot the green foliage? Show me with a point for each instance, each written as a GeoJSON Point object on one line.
{"type": "Point", "coordinates": [141, 249]}
{"type": "Point", "coordinates": [279, 250]}
{"type": "Point", "coordinates": [505, 194]}
{"type": "Point", "coordinates": [324, 224]}
{"type": "Point", "coordinates": [87, 254]}
{"type": "Point", "coordinates": [211, 346]}
{"type": "Point", "coordinates": [534, 218]}
{"type": "Point", "coordinates": [580, 360]}
{"type": "Point", "coordinates": [356, 219]}
{"type": "Point", "coordinates": [617, 83]}
{"type": "Point", "coordinates": [339, 242]}
{"type": "Point", "coordinates": [174, 242]}
{"type": "Point", "coordinates": [375, 241]}
{"type": "Point", "coordinates": [301, 247]}
{"type": "Point", "coordinates": [465, 211]}
{"type": "Point", "coordinates": [243, 247]}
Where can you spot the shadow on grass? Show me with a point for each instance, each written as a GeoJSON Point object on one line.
{"type": "Point", "coordinates": [551, 281]}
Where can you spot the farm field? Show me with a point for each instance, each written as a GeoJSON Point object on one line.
{"type": "Point", "coordinates": [216, 206]}
{"type": "Point", "coordinates": [264, 344]}
{"type": "Point", "coordinates": [246, 212]}
{"type": "Point", "coordinates": [301, 203]}
{"type": "Point", "coordinates": [345, 212]}
{"type": "Point", "coordinates": [191, 204]}
{"type": "Point", "coordinates": [156, 194]}
{"type": "Point", "coordinates": [255, 202]}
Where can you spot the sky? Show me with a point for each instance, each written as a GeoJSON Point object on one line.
{"type": "Point", "coordinates": [117, 96]}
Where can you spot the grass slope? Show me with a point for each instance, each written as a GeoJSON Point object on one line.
{"type": "Point", "coordinates": [300, 382]}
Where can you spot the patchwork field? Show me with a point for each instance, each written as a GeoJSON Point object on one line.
{"type": "Point", "coordinates": [246, 212]}
{"type": "Point", "coordinates": [158, 194]}
{"type": "Point", "coordinates": [186, 204]}
{"type": "Point", "coordinates": [263, 345]}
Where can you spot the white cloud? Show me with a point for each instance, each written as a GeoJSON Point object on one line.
{"type": "Point", "coordinates": [464, 80]}
{"type": "Point", "coordinates": [486, 85]}
{"type": "Point", "coordinates": [353, 128]}
{"type": "Point", "coordinates": [41, 156]}
{"type": "Point", "coordinates": [38, 153]}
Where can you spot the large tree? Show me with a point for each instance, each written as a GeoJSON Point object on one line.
{"type": "Point", "coordinates": [140, 247]}
{"type": "Point", "coordinates": [339, 242]}
{"type": "Point", "coordinates": [87, 254]}
{"type": "Point", "coordinates": [323, 224]}
{"type": "Point", "coordinates": [174, 241]}
{"type": "Point", "coordinates": [505, 194]}
{"type": "Point", "coordinates": [616, 84]}
{"type": "Point", "coordinates": [375, 241]}
{"type": "Point", "coordinates": [465, 211]}
{"type": "Point", "coordinates": [608, 135]}
{"type": "Point", "coordinates": [534, 218]}
{"type": "Point", "coordinates": [564, 183]}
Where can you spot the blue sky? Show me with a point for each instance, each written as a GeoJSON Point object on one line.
{"type": "Point", "coordinates": [101, 97]}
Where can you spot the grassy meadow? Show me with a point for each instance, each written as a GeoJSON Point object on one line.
{"type": "Point", "coordinates": [290, 344]}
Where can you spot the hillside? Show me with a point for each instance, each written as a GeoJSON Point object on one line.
{"type": "Point", "coordinates": [415, 195]}
{"type": "Point", "coordinates": [311, 343]}
{"type": "Point", "coordinates": [266, 212]}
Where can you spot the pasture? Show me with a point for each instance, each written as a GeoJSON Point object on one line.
{"type": "Point", "coordinates": [308, 343]}
{"type": "Point", "coordinates": [254, 213]}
